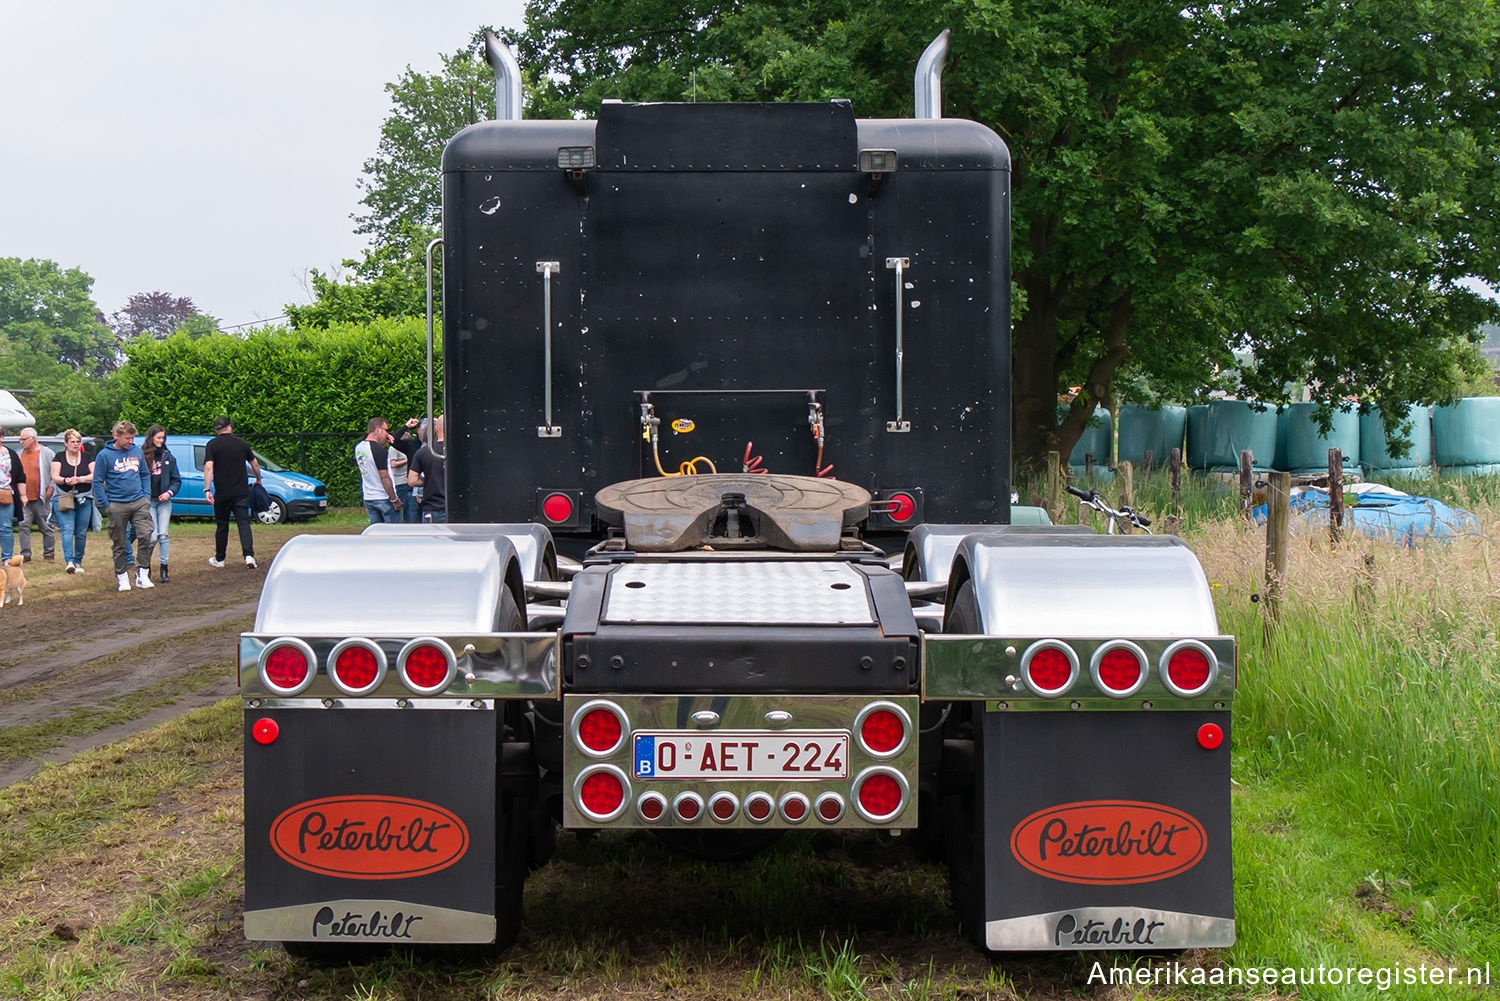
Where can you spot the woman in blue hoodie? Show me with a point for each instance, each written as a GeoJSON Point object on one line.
{"type": "Point", "coordinates": [165, 482]}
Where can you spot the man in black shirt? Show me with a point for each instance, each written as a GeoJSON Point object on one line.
{"type": "Point", "coordinates": [427, 472]}
{"type": "Point", "coordinates": [227, 487]}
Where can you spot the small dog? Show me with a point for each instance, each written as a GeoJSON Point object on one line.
{"type": "Point", "coordinates": [15, 581]}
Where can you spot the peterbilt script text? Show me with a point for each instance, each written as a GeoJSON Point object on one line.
{"type": "Point", "coordinates": [353, 835]}
{"type": "Point", "coordinates": [1090, 842]}
{"type": "Point", "coordinates": [351, 925]}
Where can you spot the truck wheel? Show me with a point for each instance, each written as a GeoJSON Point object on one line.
{"type": "Point", "coordinates": [963, 827]}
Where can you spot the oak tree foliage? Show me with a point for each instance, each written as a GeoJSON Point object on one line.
{"type": "Point", "coordinates": [1307, 183]}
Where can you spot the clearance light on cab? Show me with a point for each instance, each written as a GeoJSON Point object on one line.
{"type": "Point", "coordinates": [1118, 669]}
{"type": "Point", "coordinates": [1050, 667]}
{"type": "Point", "coordinates": [356, 666]}
{"type": "Point", "coordinates": [601, 792]}
{"type": "Point", "coordinates": [287, 666]}
{"type": "Point", "coordinates": [1188, 668]}
{"type": "Point", "coordinates": [599, 728]}
{"type": "Point", "coordinates": [427, 665]}
{"type": "Point", "coordinates": [883, 729]}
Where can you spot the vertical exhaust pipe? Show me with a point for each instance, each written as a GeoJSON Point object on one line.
{"type": "Point", "coordinates": [928, 81]}
{"type": "Point", "coordinates": [508, 94]}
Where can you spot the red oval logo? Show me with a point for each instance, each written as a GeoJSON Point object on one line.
{"type": "Point", "coordinates": [1109, 842]}
{"type": "Point", "coordinates": [369, 837]}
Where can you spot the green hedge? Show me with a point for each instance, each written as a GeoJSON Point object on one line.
{"type": "Point", "coordinates": [301, 397]}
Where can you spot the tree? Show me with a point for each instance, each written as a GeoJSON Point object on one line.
{"type": "Point", "coordinates": [159, 315]}
{"type": "Point", "coordinates": [1308, 182]}
{"type": "Point", "coordinates": [388, 281]}
{"type": "Point", "coordinates": [400, 186]}
{"type": "Point", "coordinates": [47, 319]}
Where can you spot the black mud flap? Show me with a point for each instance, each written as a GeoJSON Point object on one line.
{"type": "Point", "coordinates": [370, 825]}
{"type": "Point", "coordinates": [1106, 830]}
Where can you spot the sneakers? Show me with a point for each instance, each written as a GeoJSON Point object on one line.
{"type": "Point", "coordinates": [78, 568]}
{"type": "Point", "coordinates": [123, 582]}
{"type": "Point", "coordinates": [215, 562]}
{"type": "Point", "coordinates": [143, 580]}
{"type": "Point", "coordinates": [72, 567]}
{"type": "Point", "coordinates": [250, 562]}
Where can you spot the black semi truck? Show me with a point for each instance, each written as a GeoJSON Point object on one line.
{"type": "Point", "coordinates": [732, 552]}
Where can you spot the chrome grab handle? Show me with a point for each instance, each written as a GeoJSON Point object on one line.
{"type": "Point", "coordinates": [547, 269]}
{"type": "Point", "coordinates": [431, 438]}
{"type": "Point", "coordinates": [899, 265]}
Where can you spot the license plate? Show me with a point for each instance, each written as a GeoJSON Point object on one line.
{"type": "Point", "coordinates": [742, 754]}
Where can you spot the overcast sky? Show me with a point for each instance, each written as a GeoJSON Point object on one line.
{"type": "Point", "coordinates": [206, 150]}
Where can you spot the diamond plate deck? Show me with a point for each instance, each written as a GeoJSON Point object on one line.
{"type": "Point", "coordinates": [791, 594]}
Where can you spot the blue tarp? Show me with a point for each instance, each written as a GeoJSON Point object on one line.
{"type": "Point", "coordinates": [1401, 518]}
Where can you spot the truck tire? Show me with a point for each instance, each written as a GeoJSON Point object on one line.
{"type": "Point", "coordinates": [963, 828]}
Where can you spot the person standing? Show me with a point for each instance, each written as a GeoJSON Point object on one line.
{"type": "Point", "coordinates": [427, 472]}
{"type": "Point", "coordinates": [165, 482]}
{"type": "Point", "coordinates": [226, 486]}
{"type": "Point", "coordinates": [37, 459]}
{"type": "Point", "coordinates": [372, 457]}
{"type": "Point", "coordinates": [73, 499]}
{"type": "Point", "coordinates": [122, 485]}
{"type": "Point", "coordinates": [12, 482]}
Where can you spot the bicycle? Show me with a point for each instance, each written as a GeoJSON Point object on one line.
{"type": "Point", "coordinates": [1126, 516]}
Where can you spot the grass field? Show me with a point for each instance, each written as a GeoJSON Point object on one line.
{"type": "Point", "coordinates": [1366, 819]}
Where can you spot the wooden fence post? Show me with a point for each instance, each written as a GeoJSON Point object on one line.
{"type": "Point", "coordinates": [1335, 497]}
{"type": "Point", "coordinates": [1278, 524]}
{"type": "Point", "coordinates": [1054, 487]}
{"type": "Point", "coordinates": [1127, 485]}
{"type": "Point", "coordinates": [1247, 483]}
{"type": "Point", "coordinates": [1088, 468]}
{"type": "Point", "coordinates": [1174, 466]}
{"type": "Point", "coordinates": [1146, 465]}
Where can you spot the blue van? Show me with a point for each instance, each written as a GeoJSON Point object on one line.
{"type": "Point", "coordinates": [294, 495]}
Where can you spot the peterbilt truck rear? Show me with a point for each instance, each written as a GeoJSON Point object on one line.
{"type": "Point", "coordinates": [731, 553]}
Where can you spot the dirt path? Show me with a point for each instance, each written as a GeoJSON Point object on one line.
{"type": "Point", "coordinates": [82, 664]}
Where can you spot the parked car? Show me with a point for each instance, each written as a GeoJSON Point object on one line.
{"type": "Point", "coordinates": [294, 495]}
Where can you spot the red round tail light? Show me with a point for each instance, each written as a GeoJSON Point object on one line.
{"type": "Point", "coordinates": [794, 807]}
{"type": "Point", "coordinates": [1049, 667]}
{"type": "Point", "coordinates": [1119, 669]}
{"type": "Point", "coordinates": [652, 807]}
{"type": "Point", "coordinates": [902, 507]}
{"type": "Point", "coordinates": [356, 666]}
{"type": "Point", "coordinates": [599, 728]}
{"type": "Point", "coordinates": [759, 806]}
{"type": "Point", "coordinates": [688, 806]}
{"type": "Point", "coordinates": [426, 665]}
{"type": "Point", "coordinates": [557, 508]}
{"type": "Point", "coordinates": [882, 729]}
{"type": "Point", "coordinates": [723, 807]}
{"type": "Point", "coordinates": [287, 666]}
{"type": "Point", "coordinates": [830, 807]}
{"type": "Point", "coordinates": [879, 794]}
{"type": "Point", "coordinates": [1188, 668]}
{"type": "Point", "coordinates": [601, 793]}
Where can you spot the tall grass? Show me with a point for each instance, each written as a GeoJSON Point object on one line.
{"type": "Point", "coordinates": [1378, 688]}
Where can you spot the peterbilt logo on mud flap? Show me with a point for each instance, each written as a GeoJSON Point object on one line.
{"type": "Point", "coordinates": [1109, 842]}
{"type": "Point", "coordinates": [369, 837]}
{"type": "Point", "coordinates": [1070, 930]}
{"type": "Point", "coordinates": [327, 923]}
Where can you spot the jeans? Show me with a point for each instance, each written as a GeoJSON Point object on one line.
{"type": "Point", "coordinates": [161, 520]}
{"type": "Point", "coordinates": [239, 507]}
{"type": "Point", "coordinates": [136, 514]}
{"type": "Point", "coordinates": [408, 512]}
{"type": "Point", "coordinates": [435, 517]}
{"type": "Point", "coordinates": [382, 511]}
{"type": "Point", "coordinates": [39, 512]}
{"type": "Point", "coordinates": [7, 532]}
{"type": "Point", "coordinates": [73, 527]}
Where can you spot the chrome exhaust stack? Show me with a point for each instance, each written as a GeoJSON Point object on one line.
{"type": "Point", "coordinates": [928, 81]}
{"type": "Point", "coordinates": [508, 94]}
